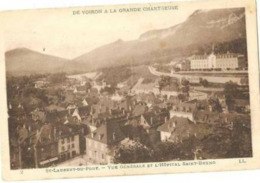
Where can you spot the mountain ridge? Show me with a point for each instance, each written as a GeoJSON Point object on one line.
{"type": "Point", "coordinates": [194, 35]}
{"type": "Point", "coordinates": [24, 61]}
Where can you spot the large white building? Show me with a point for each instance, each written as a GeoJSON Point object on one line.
{"type": "Point", "coordinates": [217, 61]}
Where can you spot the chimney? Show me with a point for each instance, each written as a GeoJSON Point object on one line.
{"type": "Point", "coordinates": [99, 109]}
{"type": "Point", "coordinates": [114, 136]}
{"type": "Point", "coordinates": [37, 132]}
{"type": "Point", "coordinates": [54, 132]}
{"type": "Point", "coordinates": [91, 110]}
{"type": "Point", "coordinates": [151, 120]}
{"type": "Point", "coordinates": [226, 120]}
{"type": "Point", "coordinates": [92, 119]}
{"type": "Point", "coordinates": [105, 122]}
{"type": "Point", "coordinates": [231, 125]}
{"type": "Point", "coordinates": [99, 137]}
{"type": "Point", "coordinates": [92, 135]}
{"type": "Point", "coordinates": [165, 119]}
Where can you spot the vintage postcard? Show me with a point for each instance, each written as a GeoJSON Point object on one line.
{"type": "Point", "coordinates": [129, 89]}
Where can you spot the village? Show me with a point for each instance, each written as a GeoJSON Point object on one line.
{"type": "Point", "coordinates": [76, 120]}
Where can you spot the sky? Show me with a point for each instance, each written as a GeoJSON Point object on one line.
{"type": "Point", "coordinates": [62, 34]}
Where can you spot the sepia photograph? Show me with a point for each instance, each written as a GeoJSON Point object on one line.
{"type": "Point", "coordinates": [127, 86]}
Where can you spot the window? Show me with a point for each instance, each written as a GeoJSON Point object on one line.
{"type": "Point", "coordinates": [72, 138]}
{"type": "Point", "coordinates": [68, 139]}
{"type": "Point", "coordinates": [72, 146]}
{"type": "Point", "coordinates": [74, 153]}
{"type": "Point", "coordinates": [89, 143]}
{"type": "Point", "coordinates": [68, 146]}
{"type": "Point", "coordinates": [103, 157]}
{"type": "Point", "coordinates": [63, 148]}
{"type": "Point", "coordinates": [62, 141]}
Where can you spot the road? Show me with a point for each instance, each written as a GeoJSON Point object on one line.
{"type": "Point", "coordinates": [196, 79]}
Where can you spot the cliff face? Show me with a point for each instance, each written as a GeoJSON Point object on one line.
{"type": "Point", "coordinates": [202, 20]}
{"type": "Point", "coordinates": [159, 34]}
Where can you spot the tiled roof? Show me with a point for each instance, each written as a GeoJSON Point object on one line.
{"type": "Point", "coordinates": [215, 117]}
{"type": "Point", "coordinates": [185, 107]}
{"type": "Point", "coordinates": [38, 114]}
{"type": "Point", "coordinates": [53, 107]}
{"type": "Point", "coordinates": [181, 128]}
{"type": "Point", "coordinates": [170, 88]}
{"type": "Point", "coordinates": [154, 119]}
{"type": "Point", "coordinates": [109, 133]}
{"type": "Point", "coordinates": [228, 55]}
{"type": "Point", "coordinates": [197, 57]}
{"type": "Point", "coordinates": [81, 88]}
{"type": "Point", "coordinates": [242, 102]}
{"type": "Point", "coordinates": [84, 110]}
{"type": "Point", "coordinates": [224, 55]}
{"type": "Point", "coordinates": [139, 109]}
{"type": "Point", "coordinates": [178, 121]}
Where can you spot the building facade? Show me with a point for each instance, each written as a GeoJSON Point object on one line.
{"type": "Point", "coordinates": [100, 143]}
{"type": "Point", "coordinates": [217, 61]}
{"type": "Point", "coordinates": [68, 147]}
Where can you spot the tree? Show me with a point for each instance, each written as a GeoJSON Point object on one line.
{"type": "Point", "coordinates": [241, 139]}
{"type": "Point", "coordinates": [244, 81]}
{"type": "Point", "coordinates": [57, 78]}
{"type": "Point", "coordinates": [177, 69]}
{"type": "Point", "coordinates": [216, 145]}
{"type": "Point", "coordinates": [137, 133]}
{"type": "Point", "coordinates": [135, 154]}
{"type": "Point", "coordinates": [204, 82]}
{"type": "Point", "coordinates": [185, 82]}
{"type": "Point", "coordinates": [165, 151]}
{"type": "Point", "coordinates": [215, 104]}
{"type": "Point", "coordinates": [185, 89]}
{"type": "Point", "coordinates": [231, 92]}
{"type": "Point", "coordinates": [231, 89]}
{"type": "Point", "coordinates": [181, 97]}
